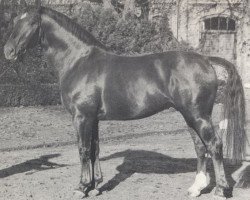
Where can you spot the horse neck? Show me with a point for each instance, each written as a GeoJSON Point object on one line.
{"type": "Point", "coordinates": [62, 47]}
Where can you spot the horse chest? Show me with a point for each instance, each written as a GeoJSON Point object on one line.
{"type": "Point", "coordinates": [81, 94]}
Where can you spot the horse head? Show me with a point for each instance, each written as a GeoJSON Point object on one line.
{"type": "Point", "coordinates": [25, 33]}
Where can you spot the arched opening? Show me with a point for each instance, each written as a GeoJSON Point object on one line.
{"type": "Point", "coordinates": [219, 24]}
{"type": "Point", "coordinates": [218, 37]}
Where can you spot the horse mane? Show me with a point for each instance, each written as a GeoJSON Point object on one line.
{"type": "Point", "coordinates": [73, 27]}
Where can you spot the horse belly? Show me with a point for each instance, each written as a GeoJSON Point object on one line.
{"type": "Point", "coordinates": [134, 103]}
{"type": "Point", "coordinates": [152, 104]}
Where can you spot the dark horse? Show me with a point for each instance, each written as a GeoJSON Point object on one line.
{"type": "Point", "coordinates": [98, 85]}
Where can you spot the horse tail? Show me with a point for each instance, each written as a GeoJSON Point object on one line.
{"type": "Point", "coordinates": [234, 111]}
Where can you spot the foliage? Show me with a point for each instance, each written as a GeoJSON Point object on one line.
{"type": "Point", "coordinates": [31, 68]}
{"type": "Point", "coordinates": [126, 36]}
{"type": "Point", "coordinates": [129, 35]}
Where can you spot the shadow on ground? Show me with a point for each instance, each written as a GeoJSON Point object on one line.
{"type": "Point", "coordinates": [147, 162]}
{"type": "Point", "coordinates": [40, 164]}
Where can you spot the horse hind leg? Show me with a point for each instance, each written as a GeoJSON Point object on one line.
{"type": "Point", "coordinates": [202, 179]}
{"type": "Point", "coordinates": [213, 143]}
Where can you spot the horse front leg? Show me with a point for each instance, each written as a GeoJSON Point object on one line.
{"type": "Point", "coordinates": [98, 178]}
{"type": "Point", "coordinates": [84, 128]}
{"type": "Point", "coordinates": [202, 179]}
{"type": "Point", "coordinates": [97, 173]}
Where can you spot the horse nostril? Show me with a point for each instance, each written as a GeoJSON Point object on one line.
{"type": "Point", "coordinates": [9, 51]}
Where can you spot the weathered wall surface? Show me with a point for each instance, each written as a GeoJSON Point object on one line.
{"type": "Point", "coordinates": [186, 19]}
{"type": "Point", "coordinates": [192, 26]}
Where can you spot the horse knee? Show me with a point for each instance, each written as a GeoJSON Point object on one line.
{"type": "Point", "coordinates": [84, 153]}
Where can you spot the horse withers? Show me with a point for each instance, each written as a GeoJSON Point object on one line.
{"type": "Point", "coordinates": [99, 85]}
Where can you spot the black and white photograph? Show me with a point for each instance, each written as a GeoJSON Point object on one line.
{"type": "Point", "coordinates": [124, 99]}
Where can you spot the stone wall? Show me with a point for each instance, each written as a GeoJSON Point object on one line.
{"type": "Point", "coordinates": [186, 19]}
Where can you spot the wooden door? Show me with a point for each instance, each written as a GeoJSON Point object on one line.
{"type": "Point", "coordinates": [222, 44]}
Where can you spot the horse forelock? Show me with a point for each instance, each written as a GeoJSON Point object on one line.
{"type": "Point", "coordinates": [71, 26]}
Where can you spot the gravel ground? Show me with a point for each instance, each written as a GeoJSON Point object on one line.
{"type": "Point", "coordinates": [144, 168]}
{"type": "Point", "coordinates": [152, 158]}
{"type": "Point", "coordinates": [31, 127]}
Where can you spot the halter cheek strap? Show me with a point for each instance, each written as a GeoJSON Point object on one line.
{"type": "Point", "coordinates": [40, 33]}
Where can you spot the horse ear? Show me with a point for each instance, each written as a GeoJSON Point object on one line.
{"type": "Point", "coordinates": [38, 4]}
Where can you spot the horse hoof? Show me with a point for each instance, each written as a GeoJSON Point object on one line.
{"type": "Point", "coordinates": [79, 194]}
{"type": "Point", "coordinates": [193, 192]}
{"type": "Point", "coordinates": [94, 192]}
{"type": "Point", "coordinates": [219, 198]}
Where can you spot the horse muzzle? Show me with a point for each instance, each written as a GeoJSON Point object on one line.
{"type": "Point", "coordinates": [10, 51]}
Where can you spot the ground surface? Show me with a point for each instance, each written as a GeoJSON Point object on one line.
{"type": "Point", "coordinates": [152, 158]}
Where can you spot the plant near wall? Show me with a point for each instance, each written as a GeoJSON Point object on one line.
{"type": "Point", "coordinates": [128, 34]}
{"type": "Point", "coordinates": [31, 68]}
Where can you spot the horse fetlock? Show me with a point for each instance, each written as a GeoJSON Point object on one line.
{"type": "Point", "coordinates": [98, 180]}
{"type": "Point", "coordinates": [224, 184]}
{"type": "Point", "coordinates": [193, 191]}
{"type": "Point", "coordinates": [84, 187]}
{"type": "Point", "coordinates": [220, 191]}
{"type": "Point", "coordinates": [202, 180]}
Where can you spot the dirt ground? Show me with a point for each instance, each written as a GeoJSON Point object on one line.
{"type": "Point", "coordinates": [146, 159]}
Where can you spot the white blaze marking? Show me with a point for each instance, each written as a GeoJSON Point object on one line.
{"type": "Point", "coordinates": [223, 124]}
{"type": "Point", "coordinates": [201, 181]}
{"type": "Point", "coordinates": [24, 15]}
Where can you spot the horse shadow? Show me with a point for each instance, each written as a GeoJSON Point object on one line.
{"type": "Point", "coordinates": [147, 162]}
{"type": "Point", "coordinates": [39, 164]}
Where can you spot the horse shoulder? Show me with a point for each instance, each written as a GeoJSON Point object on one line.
{"type": "Point", "coordinates": [81, 86]}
